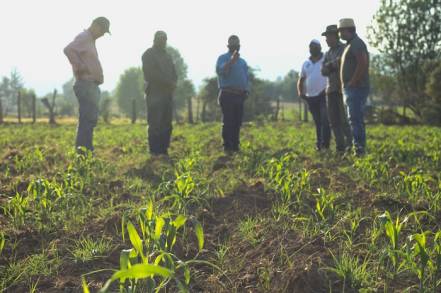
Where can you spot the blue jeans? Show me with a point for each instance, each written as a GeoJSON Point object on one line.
{"type": "Point", "coordinates": [356, 99]}
{"type": "Point", "coordinates": [88, 95]}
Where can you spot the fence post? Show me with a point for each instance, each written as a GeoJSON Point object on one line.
{"type": "Point", "coordinates": [190, 110]}
{"type": "Point", "coordinates": [19, 106]}
{"type": "Point", "coordinates": [34, 108]}
{"type": "Point", "coordinates": [1, 111]}
{"type": "Point", "coordinates": [133, 111]}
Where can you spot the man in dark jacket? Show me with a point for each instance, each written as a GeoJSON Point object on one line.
{"type": "Point", "coordinates": [160, 77]}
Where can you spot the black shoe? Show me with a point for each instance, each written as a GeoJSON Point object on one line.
{"type": "Point", "coordinates": [230, 152]}
{"type": "Point", "coordinates": [360, 152]}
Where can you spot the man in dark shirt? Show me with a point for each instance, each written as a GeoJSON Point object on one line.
{"type": "Point", "coordinates": [354, 74]}
{"type": "Point", "coordinates": [336, 109]}
{"type": "Point", "coordinates": [161, 78]}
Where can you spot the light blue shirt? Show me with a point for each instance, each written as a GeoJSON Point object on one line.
{"type": "Point", "coordinates": [236, 77]}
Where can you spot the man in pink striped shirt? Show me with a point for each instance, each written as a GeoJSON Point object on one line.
{"type": "Point", "coordinates": [83, 56]}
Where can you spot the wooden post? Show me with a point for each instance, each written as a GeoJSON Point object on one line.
{"type": "Point", "coordinates": [305, 111]}
{"type": "Point", "coordinates": [204, 111]}
{"type": "Point", "coordinates": [133, 111]}
{"type": "Point", "coordinates": [52, 110]}
{"type": "Point", "coordinates": [1, 111]}
{"type": "Point", "coordinates": [51, 107]}
{"type": "Point", "coordinates": [190, 110]}
{"type": "Point", "coordinates": [175, 112]}
{"type": "Point", "coordinates": [276, 114]}
{"type": "Point", "coordinates": [19, 106]}
{"type": "Point", "coordinates": [198, 105]}
{"type": "Point", "coordinates": [34, 108]}
{"type": "Point", "coordinates": [282, 113]}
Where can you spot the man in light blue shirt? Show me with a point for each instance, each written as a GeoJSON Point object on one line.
{"type": "Point", "coordinates": [232, 73]}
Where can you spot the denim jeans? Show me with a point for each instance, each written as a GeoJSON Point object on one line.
{"type": "Point", "coordinates": [232, 106]}
{"type": "Point", "coordinates": [88, 94]}
{"type": "Point", "coordinates": [317, 107]}
{"type": "Point", "coordinates": [356, 99]}
{"type": "Point", "coordinates": [159, 118]}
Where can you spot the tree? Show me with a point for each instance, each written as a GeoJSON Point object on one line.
{"type": "Point", "coordinates": [261, 96]}
{"type": "Point", "coordinates": [433, 89]}
{"type": "Point", "coordinates": [106, 106]}
{"type": "Point", "coordinates": [27, 96]}
{"type": "Point", "coordinates": [287, 87]}
{"type": "Point", "coordinates": [51, 106]}
{"type": "Point", "coordinates": [408, 34]}
{"type": "Point", "coordinates": [184, 94]}
{"type": "Point", "coordinates": [67, 103]}
{"type": "Point", "coordinates": [131, 88]}
{"type": "Point", "coordinates": [5, 92]}
{"type": "Point", "coordinates": [384, 82]}
{"type": "Point", "coordinates": [208, 97]}
{"type": "Point", "coordinates": [16, 84]}
{"type": "Point", "coordinates": [184, 87]}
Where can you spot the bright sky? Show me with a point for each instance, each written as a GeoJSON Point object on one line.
{"type": "Point", "coordinates": [274, 34]}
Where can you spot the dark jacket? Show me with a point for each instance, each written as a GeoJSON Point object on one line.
{"type": "Point", "coordinates": [159, 72]}
{"type": "Point", "coordinates": [331, 68]}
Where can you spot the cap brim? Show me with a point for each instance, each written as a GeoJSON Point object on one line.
{"type": "Point", "coordinates": [329, 32]}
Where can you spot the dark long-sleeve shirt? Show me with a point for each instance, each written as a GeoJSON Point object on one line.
{"type": "Point", "coordinates": [159, 72]}
{"type": "Point", "coordinates": [331, 68]}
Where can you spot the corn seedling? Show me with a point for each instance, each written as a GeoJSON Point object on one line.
{"type": "Point", "coordinates": [393, 230]}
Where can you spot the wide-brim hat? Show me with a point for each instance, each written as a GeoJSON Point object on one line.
{"type": "Point", "coordinates": [330, 29]}
{"type": "Point", "coordinates": [346, 23]}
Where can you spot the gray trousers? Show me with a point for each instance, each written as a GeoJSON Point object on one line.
{"type": "Point", "coordinates": [339, 121]}
{"type": "Point", "coordinates": [88, 94]}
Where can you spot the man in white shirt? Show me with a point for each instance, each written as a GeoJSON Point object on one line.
{"type": "Point", "coordinates": [312, 88]}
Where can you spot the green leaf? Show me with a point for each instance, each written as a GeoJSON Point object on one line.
{"type": "Point", "coordinates": [199, 234]}
{"type": "Point", "coordinates": [142, 271]}
{"type": "Point", "coordinates": [2, 241]}
{"type": "Point", "coordinates": [149, 212]}
{"type": "Point", "coordinates": [179, 221]}
{"type": "Point", "coordinates": [181, 287]}
{"type": "Point", "coordinates": [158, 228]}
{"type": "Point", "coordinates": [187, 275]}
{"type": "Point", "coordinates": [85, 287]}
{"type": "Point", "coordinates": [135, 239]}
{"type": "Point", "coordinates": [124, 259]}
{"type": "Point", "coordinates": [123, 227]}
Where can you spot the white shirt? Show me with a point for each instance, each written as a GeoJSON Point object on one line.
{"type": "Point", "coordinates": [315, 82]}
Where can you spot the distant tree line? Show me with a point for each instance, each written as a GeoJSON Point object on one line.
{"type": "Point", "coordinates": [406, 73]}
{"type": "Point", "coordinates": [405, 79]}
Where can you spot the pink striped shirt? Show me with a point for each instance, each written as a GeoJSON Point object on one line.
{"type": "Point", "coordinates": [83, 56]}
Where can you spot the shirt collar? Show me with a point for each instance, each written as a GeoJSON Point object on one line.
{"type": "Point", "coordinates": [321, 57]}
